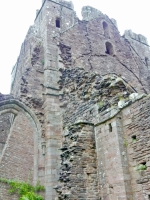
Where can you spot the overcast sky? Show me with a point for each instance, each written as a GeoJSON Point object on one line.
{"type": "Point", "coordinates": [17, 15]}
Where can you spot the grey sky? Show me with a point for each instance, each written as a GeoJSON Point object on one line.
{"type": "Point", "coordinates": [16, 16]}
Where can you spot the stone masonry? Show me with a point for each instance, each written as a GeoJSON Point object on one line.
{"type": "Point", "coordinates": [78, 116]}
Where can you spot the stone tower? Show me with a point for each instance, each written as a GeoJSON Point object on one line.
{"type": "Point", "coordinates": [77, 118]}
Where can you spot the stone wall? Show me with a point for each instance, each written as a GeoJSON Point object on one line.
{"type": "Point", "coordinates": [85, 96]}
{"type": "Point", "coordinates": [76, 77]}
{"type": "Point", "coordinates": [113, 172]}
{"type": "Point", "coordinates": [17, 161]}
{"type": "Point", "coordinates": [136, 129]}
{"type": "Point", "coordinates": [19, 150]}
{"type": "Point", "coordinates": [93, 99]}
{"type": "Point", "coordinates": [28, 78]}
{"type": "Point", "coordinates": [4, 193]}
{"type": "Point", "coordinates": [86, 44]}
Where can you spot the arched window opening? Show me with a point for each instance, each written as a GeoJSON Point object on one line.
{"type": "Point", "coordinates": [106, 29]}
{"type": "Point", "coordinates": [58, 23]}
{"type": "Point", "coordinates": [109, 48]}
{"type": "Point", "coordinates": [146, 61]}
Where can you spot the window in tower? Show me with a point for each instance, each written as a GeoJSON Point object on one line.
{"type": "Point", "coordinates": [109, 48]}
{"type": "Point", "coordinates": [106, 29]}
{"type": "Point", "coordinates": [58, 23]}
{"type": "Point", "coordinates": [146, 61]}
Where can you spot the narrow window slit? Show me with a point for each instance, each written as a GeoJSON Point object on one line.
{"type": "Point", "coordinates": [58, 23]}
{"type": "Point", "coordinates": [110, 127]}
{"type": "Point", "coordinates": [146, 61]}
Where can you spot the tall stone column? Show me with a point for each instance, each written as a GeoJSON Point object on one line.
{"type": "Point", "coordinates": [52, 121]}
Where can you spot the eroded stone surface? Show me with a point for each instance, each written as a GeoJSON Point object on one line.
{"type": "Point", "coordinates": [78, 113]}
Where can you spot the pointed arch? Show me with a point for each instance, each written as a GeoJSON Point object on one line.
{"type": "Point", "coordinates": [16, 108]}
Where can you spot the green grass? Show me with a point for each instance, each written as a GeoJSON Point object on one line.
{"type": "Point", "coordinates": [24, 190]}
{"type": "Point", "coordinates": [141, 167]}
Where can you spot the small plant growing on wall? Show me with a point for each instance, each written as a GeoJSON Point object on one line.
{"type": "Point", "coordinates": [141, 167]}
{"type": "Point", "coordinates": [100, 104]}
{"type": "Point", "coordinates": [39, 43]}
{"type": "Point", "coordinates": [133, 140]}
{"type": "Point", "coordinates": [43, 62]}
{"type": "Point", "coordinates": [24, 190]}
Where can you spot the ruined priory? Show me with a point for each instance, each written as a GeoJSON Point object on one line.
{"type": "Point", "coordinates": [78, 115]}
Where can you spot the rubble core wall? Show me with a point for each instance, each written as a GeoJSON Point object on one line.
{"type": "Point", "coordinates": [78, 171]}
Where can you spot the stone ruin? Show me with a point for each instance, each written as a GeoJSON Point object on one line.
{"type": "Point", "coordinates": [78, 116]}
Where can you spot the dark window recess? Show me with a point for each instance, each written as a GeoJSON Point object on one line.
{"type": "Point", "coordinates": [105, 25]}
{"type": "Point", "coordinates": [109, 48]}
{"type": "Point", "coordinates": [142, 166]}
{"type": "Point", "coordinates": [110, 128]}
{"type": "Point", "coordinates": [58, 23]}
{"type": "Point", "coordinates": [106, 29]}
{"type": "Point", "coordinates": [143, 163]}
{"type": "Point", "coordinates": [134, 138]}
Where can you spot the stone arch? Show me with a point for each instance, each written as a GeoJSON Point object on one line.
{"type": "Point", "coordinates": [16, 108]}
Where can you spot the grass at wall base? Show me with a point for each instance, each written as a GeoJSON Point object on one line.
{"type": "Point", "coordinates": [24, 190]}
